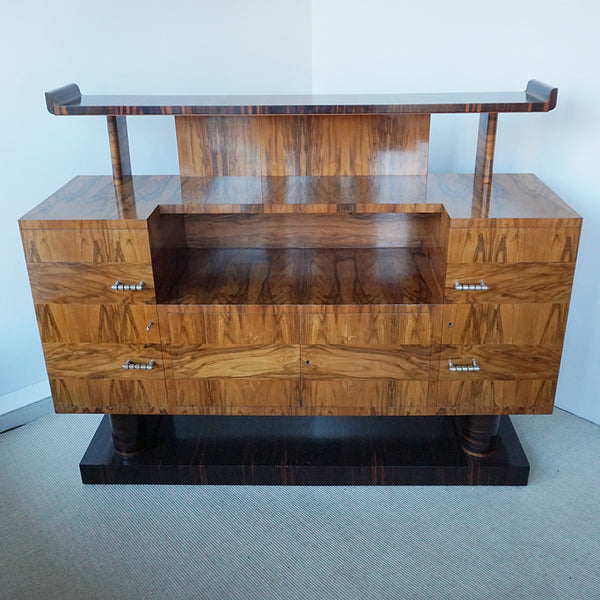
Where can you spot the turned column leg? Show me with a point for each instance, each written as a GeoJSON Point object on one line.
{"type": "Point", "coordinates": [478, 434]}
{"type": "Point", "coordinates": [129, 433]}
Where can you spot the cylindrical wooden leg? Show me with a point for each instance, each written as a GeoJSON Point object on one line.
{"type": "Point", "coordinates": [129, 433]}
{"type": "Point", "coordinates": [478, 434]}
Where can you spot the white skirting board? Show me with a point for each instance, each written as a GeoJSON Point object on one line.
{"type": "Point", "coordinates": [25, 405]}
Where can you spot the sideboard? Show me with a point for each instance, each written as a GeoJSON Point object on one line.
{"type": "Point", "coordinates": [304, 302]}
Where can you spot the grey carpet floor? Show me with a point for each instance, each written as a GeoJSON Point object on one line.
{"type": "Point", "coordinates": [61, 539]}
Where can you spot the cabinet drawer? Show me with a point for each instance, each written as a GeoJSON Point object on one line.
{"type": "Point", "coordinates": [330, 361]}
{"type": "Point", "coordinates": [496, 396]}
{"type": "Point", "coordinates": [367, 328]}
{"type": "Point", "coordinates": [504, 323]}
{"type": "Point", "coordinates": [94, 246]}
{"type": "Point", "coordinates": [113, 396]}
{"type": "Point", "coordinates": [500, 361]}
{"type": "Point", "coordinates": [89, 284]}
{"type": "Point", "coordinates": [102, 360]}
{"type": "Point", "coordinates": [511, 245]}
{"type": "Point", "coordinates": [523, 282]}
{"type": "Point", "coordinates": [98, 323]}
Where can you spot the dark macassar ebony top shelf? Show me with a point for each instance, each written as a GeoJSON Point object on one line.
{"type": "Point", "coordinates": [537, 97]}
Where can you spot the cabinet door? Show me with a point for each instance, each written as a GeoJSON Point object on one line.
{"type": "Point", "coordinates": [365, 361]}
{"type": "Point", "coordinates": [231, 360]}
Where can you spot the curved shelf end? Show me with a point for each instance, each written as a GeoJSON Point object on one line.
{"type": "Point", "coordinates": [68, 94]}
{"type": "Point", "coordinates": [543, 92]}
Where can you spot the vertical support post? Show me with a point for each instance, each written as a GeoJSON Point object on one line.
{"type": "Point", "coordinates": [484, 163]}
{"type": "Point", "coordinates": [129, 433]}
{"type": "Point", "coordinates": [478, 435]}
{"type": "Point", "coordinates": [119, 149]}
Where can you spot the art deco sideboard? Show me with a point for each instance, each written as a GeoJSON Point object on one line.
{"type": "Point", "coordinates": [304, 302]}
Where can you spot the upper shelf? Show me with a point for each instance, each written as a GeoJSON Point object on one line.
{"type": "Point", "coordinates": [537, 97]}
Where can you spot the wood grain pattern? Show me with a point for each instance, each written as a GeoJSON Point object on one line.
{"type": "Point", "coordinates": [68, 100]}
{"type": "Point", "coordinates": [517, 199]}
{"type": "Point", "coordinates": [235, 396]}
{"type": "Point", "coordinates": [511, 283]}
{"type": "Point", "coordinates": [501, 361]}
{"type": "Point", "coordinates": [355, 397]}
{"type": "Point", "coordinates": [229, 326]}
{"type": "Point", "coordinates": [367, 328]}
{"type": "Point", "coordinates": [307, 230]}
{"type": "Point", "coordinates": [484, 161]}
{"type": "Point", "coordinates": [333, 361]}
{"type": "Point", "coordinates": [98, 323]}
{"type": "Point", "coordinates": [305, 276]}
{"type": "Point", "coordinates": [494, 397]}
{"type": "Point", "coordinates": [81, 283]}
{"type": "Point", "coordinates": [116, 396]}
{"type": "Point", "coordinates": [93, 246]}
{"type": "Point", "coordinates": [303, 145]}
{"type": "Point", "coordinates": [255, 361]}
{"type": "Point", "coordinates": [513, 245]}
{"type": "Point", "coordinates": [504, 323]}
{"type": "Point", "coordinates": [102, 361]}
{"type": "Point", "coordinates": [119, 149]}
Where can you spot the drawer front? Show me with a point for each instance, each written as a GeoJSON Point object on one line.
{"type": "Point", "coordinates": [363, 397]}
{"type": "Point", "coordinates": [239, 362]}
{"type": "Point", "coordinates": [496, 396]}
{"type": "Point", "coordinates": [524, 282]}
{"type": "Point", "coordinates": [113, 396]}
{"type": "Point", "coordinates": [513, 245]}
{"type": "Point", "coordinates": [102, 361]}
{"type": "Point", "coordinates": [98, 323]}
{"type": "Point", "coordinates": [93, 246]}
{"type": "Point", "coordinates": [500, 361]}
{"type": "Point", "coordinates": [337, 361]}
{"type": "Point", "coordinates": [69, 283]}
{"type": "Point", "coordinates": [504, 323]}
{"type": "Point", "coordinates": [224, 396]}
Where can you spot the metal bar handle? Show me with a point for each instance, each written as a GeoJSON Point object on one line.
{"type": "Point", "coordinates": [128, 287]}
{"type": "Point", "coordinates": [474, 366]}
{"type": "Point", "coordinates": [129, 364]}
{"type": "Point", "coordinates": [463, 287]}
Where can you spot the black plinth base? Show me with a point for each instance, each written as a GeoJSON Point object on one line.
{"type": "Point", "coordinates": [305, 451]}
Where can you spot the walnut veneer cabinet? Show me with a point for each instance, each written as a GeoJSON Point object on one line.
{"type": "Point", "coordinates": [310, 302]}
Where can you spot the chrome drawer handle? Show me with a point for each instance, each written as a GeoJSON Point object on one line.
{"type": "Point", "coordinates": [474, 366]}
{"type": "Point", "coordinates": [128, 287]}
{"type": "Point", "coordinates": [463, 287]}
{"type": "Point", "coordinates": [129, 364]}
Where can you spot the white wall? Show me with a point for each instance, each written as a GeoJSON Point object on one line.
{"type": "Point", "coordinates": [133, 46]}
{"type": "Point", "coordinates": [149, 46]}
{"type": "Point", "coordinates": [468, 45]}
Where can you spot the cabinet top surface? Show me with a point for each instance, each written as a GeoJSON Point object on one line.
{"type": "Point", "coordinates": [69, 100]}
{"type": "Point", "coordinates": [515, 199]}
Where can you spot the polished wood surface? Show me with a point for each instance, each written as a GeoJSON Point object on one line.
{"type": "Point", "coordinates": [306, 145]}
{"type": "Point", "coordinates": [82, 283]}
{"type": "Point", "coordinates": [353, 230]}
{"type": "Point", "coordinates": [103, 361]}
{"type": "Point", "coordinates": [94, 246]}
{"type": "Point", "coordinates": [494, 396]}
{"type": "Point", "coordinates": [68, 100]}
{"type": "Point", "coordinates": [484, 162]}
{"type": "Point", "coordinates": [517, 200]}
{"type": "Point", "coordinates": [515, 283]}
{"type": "Point", "coordinates": [98, 323]}
{"type": "Point", "coordinates": [304, 276]}
{"type": "Point", "coordinates": [119, 149]}
{"type": "Point", "coordinates": [307, 451]}
{"type": "Point", "coordinates": [478, 435]}
{"type": "Point", "coordinates": [504, 245]}
{"type": "Point", "coordinates": [504, 323]}
{"type": "Point", "coordinates": [118, 396]}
